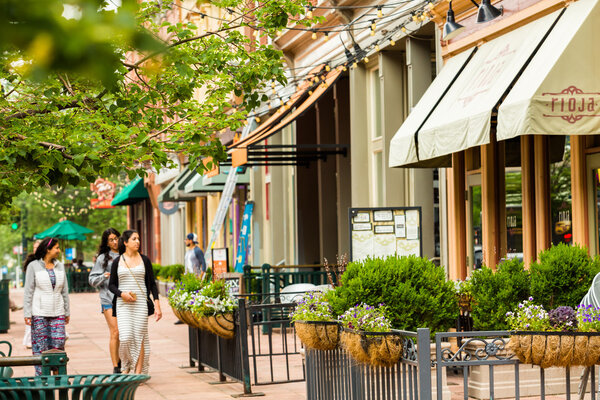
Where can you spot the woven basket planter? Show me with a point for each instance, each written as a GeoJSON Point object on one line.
{"type": "Point", "coordinates": [380, 349]}
{"type": "Point", "coordinates": [556, 349]}
{"type": "Point", "coordinates": [190, 319]}
{"type": "Point", "coordinates": [222, 325]}
{"type": "Point", "coordinates": [319, 335]}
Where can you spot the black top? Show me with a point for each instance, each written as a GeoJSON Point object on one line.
{"type": "Point", "coordinates": [113, 283]}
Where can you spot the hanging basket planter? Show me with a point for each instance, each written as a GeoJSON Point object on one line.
{"type": "Point", "coordinates": [177, 314]}
{"type": "Point", "coordinates": [380, 349]}
{"type": "Point", "coordinates": [556, 349]}
{"type": "Point", "coordinates": [222, 325]}
{"type": "Point", "coordinates": [190, 319]}
{"type": "Point", "coordinates": [319, 335]}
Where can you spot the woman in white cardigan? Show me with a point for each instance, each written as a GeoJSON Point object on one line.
{"type": "Point", "coordinates": [46, 299]}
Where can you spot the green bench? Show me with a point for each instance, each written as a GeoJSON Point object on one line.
{"type": "Point", "coordinates": [65, 387]}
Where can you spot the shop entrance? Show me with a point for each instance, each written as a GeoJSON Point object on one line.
{"type": "Point", "coordinates": [474, 221]}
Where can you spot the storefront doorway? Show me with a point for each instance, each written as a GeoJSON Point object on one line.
{"type": "Point", "coordinates": [474, 222]}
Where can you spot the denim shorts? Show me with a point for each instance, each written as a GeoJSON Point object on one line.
{"type": "Point", "coordinates": [105, 307]}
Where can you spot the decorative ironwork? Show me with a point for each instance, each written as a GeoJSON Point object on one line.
{"type": "Point", "coordinates": [409, 350]}
{"type": "Point", "coordinates": [479, 349]}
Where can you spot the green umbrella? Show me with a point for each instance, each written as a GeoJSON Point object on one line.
{"type": "Point", "coordinates": [66, 230]}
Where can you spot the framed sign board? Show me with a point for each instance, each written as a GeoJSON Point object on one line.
{"type": "Point", "coordinates": [234, 281]}
{"type": "Point", "coordinates": [220, 261]}
{"type": "Point", "coordinates": [385, 231]}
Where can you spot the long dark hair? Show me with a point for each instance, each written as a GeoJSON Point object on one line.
{"type": "Point", "coordinates": [125, 238]}
{"type": "Point", "coordinates": [43, 248]}
{"type": "Point", "coordinates": [103, 248]}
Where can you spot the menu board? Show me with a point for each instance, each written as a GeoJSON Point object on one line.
{"type": "Point", "coordinates": [383, 232]}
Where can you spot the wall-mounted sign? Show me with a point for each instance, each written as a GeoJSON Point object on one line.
{"type": "Point", "coordinates": [105, 192]}
{"type": "Point", "coordinates": [394, 231]}
{"type": "Point", "coordinates": [168, 207]}
{"type": "Point", "coordinates": [234, 281]}
{"type": "Point", "coordinates": [220, 261]}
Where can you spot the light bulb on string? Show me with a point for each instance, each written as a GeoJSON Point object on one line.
{"type": "Point", "coordinates": [415, 17]}
{"type": "Point", "coordinates": [377, 47]}
{"type": "Point", "coordinates": [366, 60]}
{"type": "Point", "coordinates": [403, 29]}
{"type": "Point", "coordinates": [327, 68]}
{"type": "Point", "coordinates": [373, 27]}
{"type": "Point", "coordinates": [326, 36]}
{"type": "Point", "coordinates": [379, 12]}
{"type": "Point", "coordinates": [392, 43]}
{"type": "Point", "coordinates": [257, 119]}
{"type": "Point", "coordinates": [314, 35]}
{"type": "Point", "coordinates": [344, 68]}
{"type": "Point", "coordinates": [309, 12]}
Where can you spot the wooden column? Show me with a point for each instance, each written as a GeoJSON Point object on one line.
{"type": "Point", "coordinates": [528, 200]}
{"type": "Point", "coordinates": [457, 223]}
{"type": "Point", "coordinates": [493, 201]}
{"type": "Point", "coordinates": [579, 206]}
{"type": "Point", "coordinates": [543, 218]}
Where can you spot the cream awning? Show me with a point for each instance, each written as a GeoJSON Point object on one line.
{"type": "Point", "coordinates": [559, 91]}
{"type": "Point", "coordinates": [463, 117]}
{"type": "Point", "coordinates": [403, 146]}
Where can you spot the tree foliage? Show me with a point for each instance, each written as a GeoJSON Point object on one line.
{"type": "Point", "coordinates": [94, 96]}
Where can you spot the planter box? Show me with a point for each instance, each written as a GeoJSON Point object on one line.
{"type": "Point", "coordinates": [529, 380]}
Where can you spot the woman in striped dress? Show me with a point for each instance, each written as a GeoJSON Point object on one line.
{"type": "Point", "coordinates": [132, 281]}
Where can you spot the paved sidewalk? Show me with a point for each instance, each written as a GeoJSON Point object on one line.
{"type": "Point", "coordinates": [87, 349]}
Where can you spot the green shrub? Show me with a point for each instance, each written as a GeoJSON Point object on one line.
{"type": "Point", "coordinates": [156, 269]}
{"type": "Point", "coordinates": [562, 276]}
{"type": "Point", "coordinates": [414, 290]}
{"type": "Point", "coordinates": [495, 294]}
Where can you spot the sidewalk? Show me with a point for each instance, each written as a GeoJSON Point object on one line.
{"type": "Point", "coordinates": [87, 349]}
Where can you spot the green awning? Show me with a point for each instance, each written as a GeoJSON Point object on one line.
{"type": "Point", "coordinates": [131, 194]}
{"type": "Point", "coordinates": [165, 194]}
{"type": "Point", "coordinates": [221, 178]}
{"type": "Point", "coordinates": [174, 191]}
{"type": "Point", "coordinates": [195, 185]}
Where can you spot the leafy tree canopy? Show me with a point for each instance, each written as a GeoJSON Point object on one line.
{"type": "Point", "coordinates": [121, 90]}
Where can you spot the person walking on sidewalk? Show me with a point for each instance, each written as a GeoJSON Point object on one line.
{"type": "Point", "coordinates": [30, 257]}
{"type": "Point", "coordinates": [46, 299]}
{"type": "Point", "coordinates": [132, 281]}
{"type": "Point", "coordinates": [194, 257]}
{"type": "Point", "coordinates": [99, 277]}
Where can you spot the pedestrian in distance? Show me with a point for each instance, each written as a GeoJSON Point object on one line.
{"type": "Point", "coordinates": [30, 257]}
{"type": "Point", "coordinates": [46, 299]}
{"type": "Point", "coordinates": [132, 282]}
{"type": "Point", "coordinates": [108, 251]}
{"type": "Point", "coordinates": [194, 256]}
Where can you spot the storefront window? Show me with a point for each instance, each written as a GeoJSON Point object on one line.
{"type": "Point", "coordinates": [560, 192]}
{"type": "Point", "coordinates": [475, 202]}
{"type": "Point", "coordinates": [514, 214]}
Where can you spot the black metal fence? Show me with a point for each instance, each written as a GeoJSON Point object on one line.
{"type": "Point", "coordinates": [264, 349]}
{"type": "Point", "coordinates": [332, 375]}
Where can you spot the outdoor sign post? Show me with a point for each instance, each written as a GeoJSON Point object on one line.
{"type": "Point", "coordinates": [220, 261]}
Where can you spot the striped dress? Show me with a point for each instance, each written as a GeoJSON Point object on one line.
{"type": "Point", "coordinates": [132, 319]}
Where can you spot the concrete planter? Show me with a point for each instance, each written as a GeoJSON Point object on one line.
{"type": "Point", "coordinates": [529, 379]}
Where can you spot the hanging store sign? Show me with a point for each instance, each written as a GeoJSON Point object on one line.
{"type": "Point", "coordinates": [105, 192]}
{"type": "Point", "coordinates": [383, 232]}
{"type": "Point", "coordinates": [220, 261]}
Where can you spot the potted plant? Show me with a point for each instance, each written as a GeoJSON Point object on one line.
{"type": "Point", "coordinates": [213, 309]}
{"type": "Point", "coordinates": [555, 339]}
{"type": "Point", "coordinates": [368, 336]}
{"type": "Point", "coordinates": [314, 322]}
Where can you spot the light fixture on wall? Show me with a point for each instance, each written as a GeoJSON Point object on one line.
{"type": "Point", "coordinates": [451, 27]}
{"type": "Point", "coordinates": [486, 13]}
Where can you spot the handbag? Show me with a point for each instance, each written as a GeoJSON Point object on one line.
{"type": "Point", "coordinates": [149, 302]}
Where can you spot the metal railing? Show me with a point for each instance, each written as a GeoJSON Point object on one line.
{"type": "Point", "coordinates": [332, 375]}
{"type": "Point", "coordinates": [490, 349]}
{"type": "Point", "coordinates": [269, 279]}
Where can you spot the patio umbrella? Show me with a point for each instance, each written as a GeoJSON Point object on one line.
{"type": "Point", "coordinates": [66, 230]}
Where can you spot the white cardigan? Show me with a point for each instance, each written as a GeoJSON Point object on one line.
{"type": "Point", "coordinates": [40, 298]}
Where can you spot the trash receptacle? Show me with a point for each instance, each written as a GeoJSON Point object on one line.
{"type": "Point", "coordinates": [4, 306]}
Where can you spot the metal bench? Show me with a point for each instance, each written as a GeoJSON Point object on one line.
{"type": "Point", "coordinates": [64, 387]}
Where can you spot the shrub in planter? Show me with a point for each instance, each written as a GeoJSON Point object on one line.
{"type": "Point", "coordinates": [314, 322]}
{"type": "Point", "coordinates": [496, 293]}
{"type": "Point", "coordinates": [562, 276]}
{"type": "Point", "coordinates": [368, 336]}
{"type": "Point", "coordinates": [414, 290]}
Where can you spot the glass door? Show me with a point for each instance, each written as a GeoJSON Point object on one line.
{"type": "Point", "coordinates": [474, 220]}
